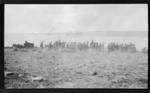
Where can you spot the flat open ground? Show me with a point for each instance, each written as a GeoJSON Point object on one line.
{"type": "Point", "coordinates": [76, 69]}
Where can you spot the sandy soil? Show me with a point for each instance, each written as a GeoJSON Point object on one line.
{"type": "Point", "coordinates": [75, 69]}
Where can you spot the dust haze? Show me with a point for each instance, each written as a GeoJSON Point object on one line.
{"type": "Point", "coordinates": [76, 46]}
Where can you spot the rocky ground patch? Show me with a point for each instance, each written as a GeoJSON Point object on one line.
{"type": "Point", "coordinates": [37, 68]}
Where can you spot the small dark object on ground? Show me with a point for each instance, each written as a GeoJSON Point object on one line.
{"type": "Point", "coordinates": [11, 75]}
{"type": "Point", "coordinates": [39, 57]}
{"type": "Point", "coordinates": [53, 57]}
{"type": "Point", "coordinates": [79, 72]}
{"type": "Point", "coordinates": [95, 73]}
{"type": "Point", "coordinates": [8, 73]}
{"type": "Point", "coordinates": [142, 80]}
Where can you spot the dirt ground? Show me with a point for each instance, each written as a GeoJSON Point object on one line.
{"type": "Point", "coordinates": [75, 69]}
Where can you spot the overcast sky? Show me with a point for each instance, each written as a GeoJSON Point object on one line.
{"type": "Point", "coordinates": [47, 22]}
{"type": "Point", "coordinates": [66, 18]}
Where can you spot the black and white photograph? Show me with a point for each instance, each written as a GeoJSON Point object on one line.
{"type": "Point", "coordinates": [76, 46]}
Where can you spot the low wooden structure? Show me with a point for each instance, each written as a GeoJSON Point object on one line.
{"type": "Point", "coordinates": [28, 45]}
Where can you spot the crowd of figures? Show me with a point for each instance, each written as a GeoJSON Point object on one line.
{"type": "Point", "coordinates": [91, 45]}
{"type": "Point", "coordinates": [75, 45]}
{"type": "Point", "coordinates": [121, 47]}
{"type": "Point", "coordinates": [82, 46]}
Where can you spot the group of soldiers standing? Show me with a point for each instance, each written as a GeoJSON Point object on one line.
{"type": "Point", "coordinates": [76, 45]}
{"type": "Point", "coordinates": [121, 47]}
{"type": "Point", "coordinates": [91, 45]}
{"type": "Point", "coordinates": [82, 46]}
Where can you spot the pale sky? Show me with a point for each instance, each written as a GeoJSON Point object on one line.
{"type": "Point", "coordinates": [51, 18]}
{"type": "Point", "coordinates": [36, 23]}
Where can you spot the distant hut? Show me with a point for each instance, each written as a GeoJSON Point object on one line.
{"type": "Point", "coordinates": [16, 46]}
{"type": "Point", "coordinates": [28, 45]}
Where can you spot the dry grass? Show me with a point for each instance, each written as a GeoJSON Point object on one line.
{"type": "Point", "coordinates": [76, 69]}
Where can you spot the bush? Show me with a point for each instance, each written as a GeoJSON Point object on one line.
{"type": "Point", "coordinates": [144, 50]}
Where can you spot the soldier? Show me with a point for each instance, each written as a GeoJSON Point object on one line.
{"type": "Point", "coordinates": [108, 47]}
{"type": "Point", "coordinates": [63, 45]}
{"type": "Point", "coordinates": [59, 43]}
{"type": "Point", "coordinates": [92, 44]}
{"type": "Point", "coordinates": [126, 47]}
{"type": "Point", "coordinates": [133, 48]}
{"type": "Point", "coordinates": [67, 45]}
{"type": "Point", "coordinates": [102, 46]}
{"type": "Point", "coordinates": [116, 47]}
{"type": "Point", "coordinates": [120, 47]}
{"type": "Point", "coordinates": [87, 45]}
{"type": "Point", "coordinates": [78, 46]}
{"type": "Point", "coordinates": [99, 46]}
{"type": "Point", "coordinates": [41, 45]}
{"type": "Point", "coordinates": [144, 50]}
{"type": "Point", "coordinates": [75, 46]}
{"type": "Point", "coordinates": [50, 45]}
